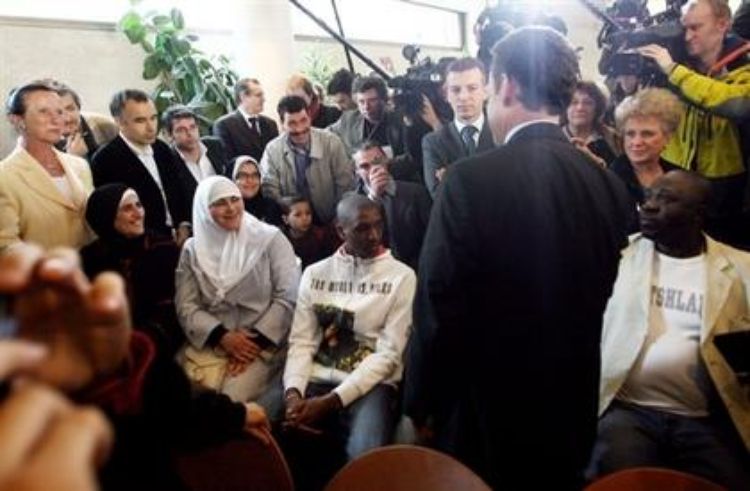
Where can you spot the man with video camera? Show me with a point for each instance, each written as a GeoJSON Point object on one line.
{"type": "Point", "coordinates": [715, 84]}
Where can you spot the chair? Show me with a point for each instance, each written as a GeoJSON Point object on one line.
{"type": "Point", "coordinates": [237, 465]}
{"type": "Point", "coordinates": [406, 467]}
{"type": "Point", "coordinates": [652, 479]}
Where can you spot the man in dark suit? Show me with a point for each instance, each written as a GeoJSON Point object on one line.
{"type": "Point", "coordinates": [246, 131]}
{"type": "Point", "coordinates": [139, 160]}
{"type": "Point", "coordinates": [200, 157]}
{"type": "Point", "coordinates": [518, 262]}
{"type": "Point", "coordinates": [406, 204]}
{"type": "Point", "coordinates": [469, 132]}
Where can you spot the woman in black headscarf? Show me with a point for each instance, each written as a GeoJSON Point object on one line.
{"type": "Point", "coordinates": [246, 175]}
{"type": "Point", "coordinates": [146, 261]}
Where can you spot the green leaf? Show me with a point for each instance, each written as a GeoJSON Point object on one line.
{"type": "Point", "coordinates": [177, 19]}
{"type": "Point", "coordinates": [132, 25]}
{"type": "Point", "coordinates": [182, 47]}
{"type": "Point", "coordinates": [152, 66]}
{"type": "Point", "coordinates": [161, 20]}
{"type": "Point", "coordinates": [129, 20]}
{"type": "Point", "coordinates": [147, 46]}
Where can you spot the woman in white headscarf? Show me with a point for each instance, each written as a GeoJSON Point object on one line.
{"type": "Point", "coordinates": [236, 285]}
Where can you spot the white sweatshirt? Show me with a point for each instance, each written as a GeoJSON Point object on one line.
{"type": "Point", "coordinates": [371, 297]}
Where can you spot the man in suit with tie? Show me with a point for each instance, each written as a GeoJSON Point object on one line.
{"type": "Point", "coordinates": [200, 157]}
{"type": "Point", "coordinates": [246, 131]}
{"type": "Point", "coordinates": [469, 132]}
{"type": "Point", "coordinates": [139, 160]}
{"type": "Point", "coordinates": [518, 262]}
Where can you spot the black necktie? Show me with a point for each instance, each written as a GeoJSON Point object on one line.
{"type": "Point", "coordinates": [254, 125]}
{"type": "Point", "coordinates": [467, 135]}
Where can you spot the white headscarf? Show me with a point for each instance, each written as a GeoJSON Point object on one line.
{"type": "Point", "coordinates": [226, 257]}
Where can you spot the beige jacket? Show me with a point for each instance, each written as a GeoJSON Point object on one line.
{"type": "Point", "coordinates": [725, 304]}
{"type": "Point", "coordinates": [32, 209]}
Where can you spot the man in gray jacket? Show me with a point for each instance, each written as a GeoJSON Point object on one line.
{"type": "Point", "coordinates": [306, 161]}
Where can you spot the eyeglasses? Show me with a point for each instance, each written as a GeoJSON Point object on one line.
{"type": "Point", "coordinates": [243, 176]}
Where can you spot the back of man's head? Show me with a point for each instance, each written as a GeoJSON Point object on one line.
{"type": "Point", "coordinates": [341, 82]}
{"type": "Point", "coordinates": [542, 63]}
{"type": "Point", "coordinates": [117, 104]}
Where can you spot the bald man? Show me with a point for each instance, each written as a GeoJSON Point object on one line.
{"type": "Point", "coordinates": [668, 397]}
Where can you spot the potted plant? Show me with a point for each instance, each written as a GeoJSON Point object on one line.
{"type": "Point", "coordinates": [184, 74]}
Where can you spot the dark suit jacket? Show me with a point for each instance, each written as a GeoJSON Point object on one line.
{"type": "Point", "coordinates": [327, 115]}
{"type": "Point", "coordinates": [218, 158]}
{"type": "Point", "coordinates": [444, 147]}
{"type": "Point", "coordinates": [518, 262]}
{"type": "Point", "coordinates": [237, 138]}
{"type": "Point", "coordinates": [406, 216]}
{"type": "Point", "coordinates": [116, 162]}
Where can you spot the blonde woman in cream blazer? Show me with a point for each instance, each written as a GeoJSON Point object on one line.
{"type": "Point", "coordinates": [43, 191]}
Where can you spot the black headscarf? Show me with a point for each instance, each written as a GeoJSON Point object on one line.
{"type": "Point", "coordinates": [101, 210]}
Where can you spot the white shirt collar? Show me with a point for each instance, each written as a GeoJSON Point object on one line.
{"type": "Point", "coordinates": [246, 114]}
{"type": "Point", "coordinates": [185, 157]}
{"type": "Point", "coordinates": [477, 123]}
{"type": "Point", "coordinates": [523, 125]}
{"type": "Point", "coordinates": [139, 150]}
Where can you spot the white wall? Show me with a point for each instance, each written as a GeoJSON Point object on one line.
{"type": "Point", "coordinates": [96, 60]}
{"type": "Point", "coordinates": [92, 58]}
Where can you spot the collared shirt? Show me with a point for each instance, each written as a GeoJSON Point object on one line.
{"type": "Point", "coordinates": [246, 116]}
{"type": "Point", "coordinates": [523, 125]}
{"type": "Point", "coordinates": [477, 123]}
{"type": "Point", "coordinates": [200, 169]}
{"type": "Point", "coordinates": [146, 155]}
{"type": "Point", "coordinates": [302, 161]}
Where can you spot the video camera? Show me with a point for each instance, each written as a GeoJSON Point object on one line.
{"type": "Point", "coordinates": [423, 78]}
{"type": "Point", "coordinates": [629, 25]}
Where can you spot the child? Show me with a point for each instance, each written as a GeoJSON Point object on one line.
{"type": "Point", "coordinates": [311, 243]}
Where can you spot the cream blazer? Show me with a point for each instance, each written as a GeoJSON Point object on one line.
{"type": "Point", "coordinates": [725, 309]}
{"type": "Point", "coordinates": [32, 209]}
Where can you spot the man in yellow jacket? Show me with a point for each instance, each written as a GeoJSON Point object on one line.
{"type": "Point", "coordinates": [716, 88]}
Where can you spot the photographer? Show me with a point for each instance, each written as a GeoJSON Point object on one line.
{"type": "Point", "coordinates": [716, 87]}
{"type": "Point", "coordinates": [374, 121]}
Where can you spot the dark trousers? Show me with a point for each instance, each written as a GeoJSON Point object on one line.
{"type": "Point", "coordinates": [635, 436]}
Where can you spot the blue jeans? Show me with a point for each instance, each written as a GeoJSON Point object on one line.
{"type": "Point", "coordinates": [367, 423]}
{"type": "Point", "coordinates": [635, 436]}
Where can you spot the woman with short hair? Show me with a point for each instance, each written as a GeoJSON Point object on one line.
{"type": "Point", "coordinates": [42, 191]}
{"type": "Point", "coordinates": [583, 123]}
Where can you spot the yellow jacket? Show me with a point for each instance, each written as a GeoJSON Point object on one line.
{"type": "Point", "coordinates": [32, 209]}
{"type": "Point", "coordinates": [708, 139]}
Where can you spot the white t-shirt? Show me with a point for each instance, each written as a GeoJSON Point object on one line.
{"type": "Point", "coordinates": [669, 374]}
